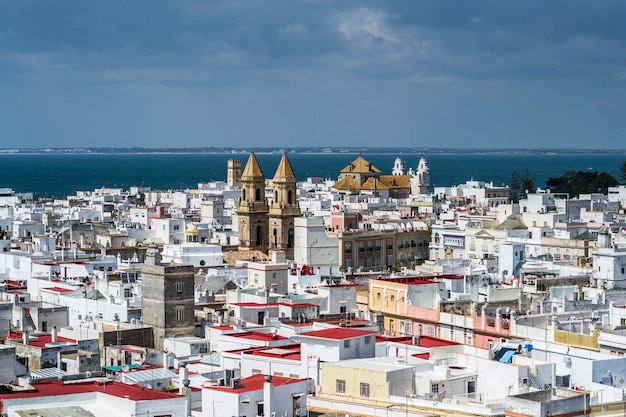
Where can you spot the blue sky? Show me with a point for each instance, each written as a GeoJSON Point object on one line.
{"type": "Point", "coordinates": [514, 74]}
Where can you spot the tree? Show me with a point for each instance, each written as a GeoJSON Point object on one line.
{"type": "Point", "coordinates": [622, 171]}
{"type": "Point", "coordinates": [528, 183]}
{"type": "Point", "coordinates": [514, 185]}
{"type": "Point", "coordinates": [581, 182]}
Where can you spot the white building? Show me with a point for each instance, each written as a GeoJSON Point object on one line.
{"type": "Point", "coordinates": [256, 395]}
{"type": "Point", "coordinates": [271, 276]}
{"type": "Point", "coordinates": [192, 253]}
{"type": "Point", "coordinates": [313, 246]}
{"type": "Point", "coordinates": [169, 230]}
{"type": "Point", "coordinates": [98, 399]}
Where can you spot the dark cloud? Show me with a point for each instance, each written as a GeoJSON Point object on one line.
{"type": "Point", "coordinates": [327, 72]}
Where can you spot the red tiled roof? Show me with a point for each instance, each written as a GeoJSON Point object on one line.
{"type": "Point", "coordinates": [222, 327]}
{"type": "Point", "coordinates": [298, 305]}
{"type": "Point", "coordinates": [254, 383]}
{"type": "Point", "coordinates": [42, 340]}
{"type": "Point", "coordinates": [425, 355]}
{"type": "Point", "coordinates": [117, 389]}
{"type": "Point", "coordinates": [338, 333]}
{"type": "Point", "coordinates": [258, 336]}
{"type": "Point", "coordinates": [258, 305]}
{"type": "Point", "coordinates": [291, 352]}
{"type": "Point", "coordinates": [58, 289]}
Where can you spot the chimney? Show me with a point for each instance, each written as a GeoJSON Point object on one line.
{"type": "Point", "coordinates": [54, 334]}
{"type": "Point", "coordinates": [153, 256]}
{"type": "Point", "coordinates": [268, 396]}
{"type": "Point", "coordinates": [183, 375]}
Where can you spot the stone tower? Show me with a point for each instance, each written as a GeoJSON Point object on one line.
{"type": "Point", "coordinates": [253, 210]}
{"type": "Point", "coordinates": [167, 298]}
{"type": "Point", "coordinates": [233, 173]}
{"type": "Point", "coordinates": [284, 209]}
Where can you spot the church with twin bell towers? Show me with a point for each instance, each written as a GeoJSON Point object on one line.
{"type": "Point", "coordinates": [264, 226]}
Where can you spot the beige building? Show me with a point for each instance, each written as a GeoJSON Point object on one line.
{"type": "Point", "coordinates": [371, 379]}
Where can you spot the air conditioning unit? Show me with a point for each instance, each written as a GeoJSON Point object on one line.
{"type": "Point", "coordinates": [235, 383]}
{"type": "Point", "coordinates": [220, 382]}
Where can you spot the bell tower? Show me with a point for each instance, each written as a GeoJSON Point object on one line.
{"type": "Point", "coordinates": [252, 210]}
{"type": "Point", "coordinates": [284, 209]}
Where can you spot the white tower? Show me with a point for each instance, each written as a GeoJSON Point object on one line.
{"type": "Point", "coordinates": [420, 182]}
{"type": "Point", "coordinates": [398, 168]}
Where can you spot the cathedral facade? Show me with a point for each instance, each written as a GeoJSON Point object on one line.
{"type": "Point", "coordinates": [267, 226]}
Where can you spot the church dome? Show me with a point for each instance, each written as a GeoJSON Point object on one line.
{"type": "Point", "coordinates": [191, 230]}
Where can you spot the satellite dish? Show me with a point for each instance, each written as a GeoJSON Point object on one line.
{"type": "Point", "coordinates": [125, 368]}
{"type": "Point", "coordinates": [147, 386]}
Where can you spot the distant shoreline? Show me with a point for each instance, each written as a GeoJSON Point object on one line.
{"type": "Point", "coordinates": [306, 150]}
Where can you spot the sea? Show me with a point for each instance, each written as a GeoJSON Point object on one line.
{"type": "Point", "coordinates": [57, 175]}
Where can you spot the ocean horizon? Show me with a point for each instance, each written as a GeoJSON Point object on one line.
{"type": "Point", "coordinates": [59, 174]}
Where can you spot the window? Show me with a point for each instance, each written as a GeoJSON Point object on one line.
{"type": "Point", "coordinates": [346, 343]}
{"type": "Point", "coordinates": [368, 340]}
{"type": "Point", "coordinates": [365, 389]}
{"type": "Point", "coordinates": [127, 292]}
{"type": "Point", "coordinates": [180, 314]}
{"type": "Point", "coordinates": [434, 388]}
{"type": "Point", "coordinates": [179, 287]}
{"type": "Point", "coordinates": [340, 386]}
{"type": "Point", "coordinates": [348, 247]}
{"type": "Point", "coordinates": [256, 371]}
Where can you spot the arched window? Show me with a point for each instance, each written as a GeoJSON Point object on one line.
{"type": "Point", "coordinates": [289, 197]}
{"type": "Point", "coordinates": [275, 196]}
{"type": "Point", "coordinates": [243, 194]}
{"type": "Point", "coordinates": [257, 194]}
{"type": "Point", "coordinates": [275, 236]}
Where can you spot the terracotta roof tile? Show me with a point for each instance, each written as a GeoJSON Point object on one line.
{"type": "Point", "coordinates": [252, 169]}
{"type": "Point", "coordinates": [284, 169]}
{"type": "Point", "coordinates": [360, 165]}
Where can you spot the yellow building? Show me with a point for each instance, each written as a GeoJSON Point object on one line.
{"type": "Point", "coordinates": [367, 380]}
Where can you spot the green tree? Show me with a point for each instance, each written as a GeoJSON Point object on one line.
{"type": "Point", "coordinates": [581, 182]}
{"type": "Point", "coordinates": [528, 182]}
{"type": "Point", "coordinates": [622, 172]}
{"type": "Point", "coordinates": [514, 185]}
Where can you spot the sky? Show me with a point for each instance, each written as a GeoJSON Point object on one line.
{"type": "Point", "coordinates": [235, 73]}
